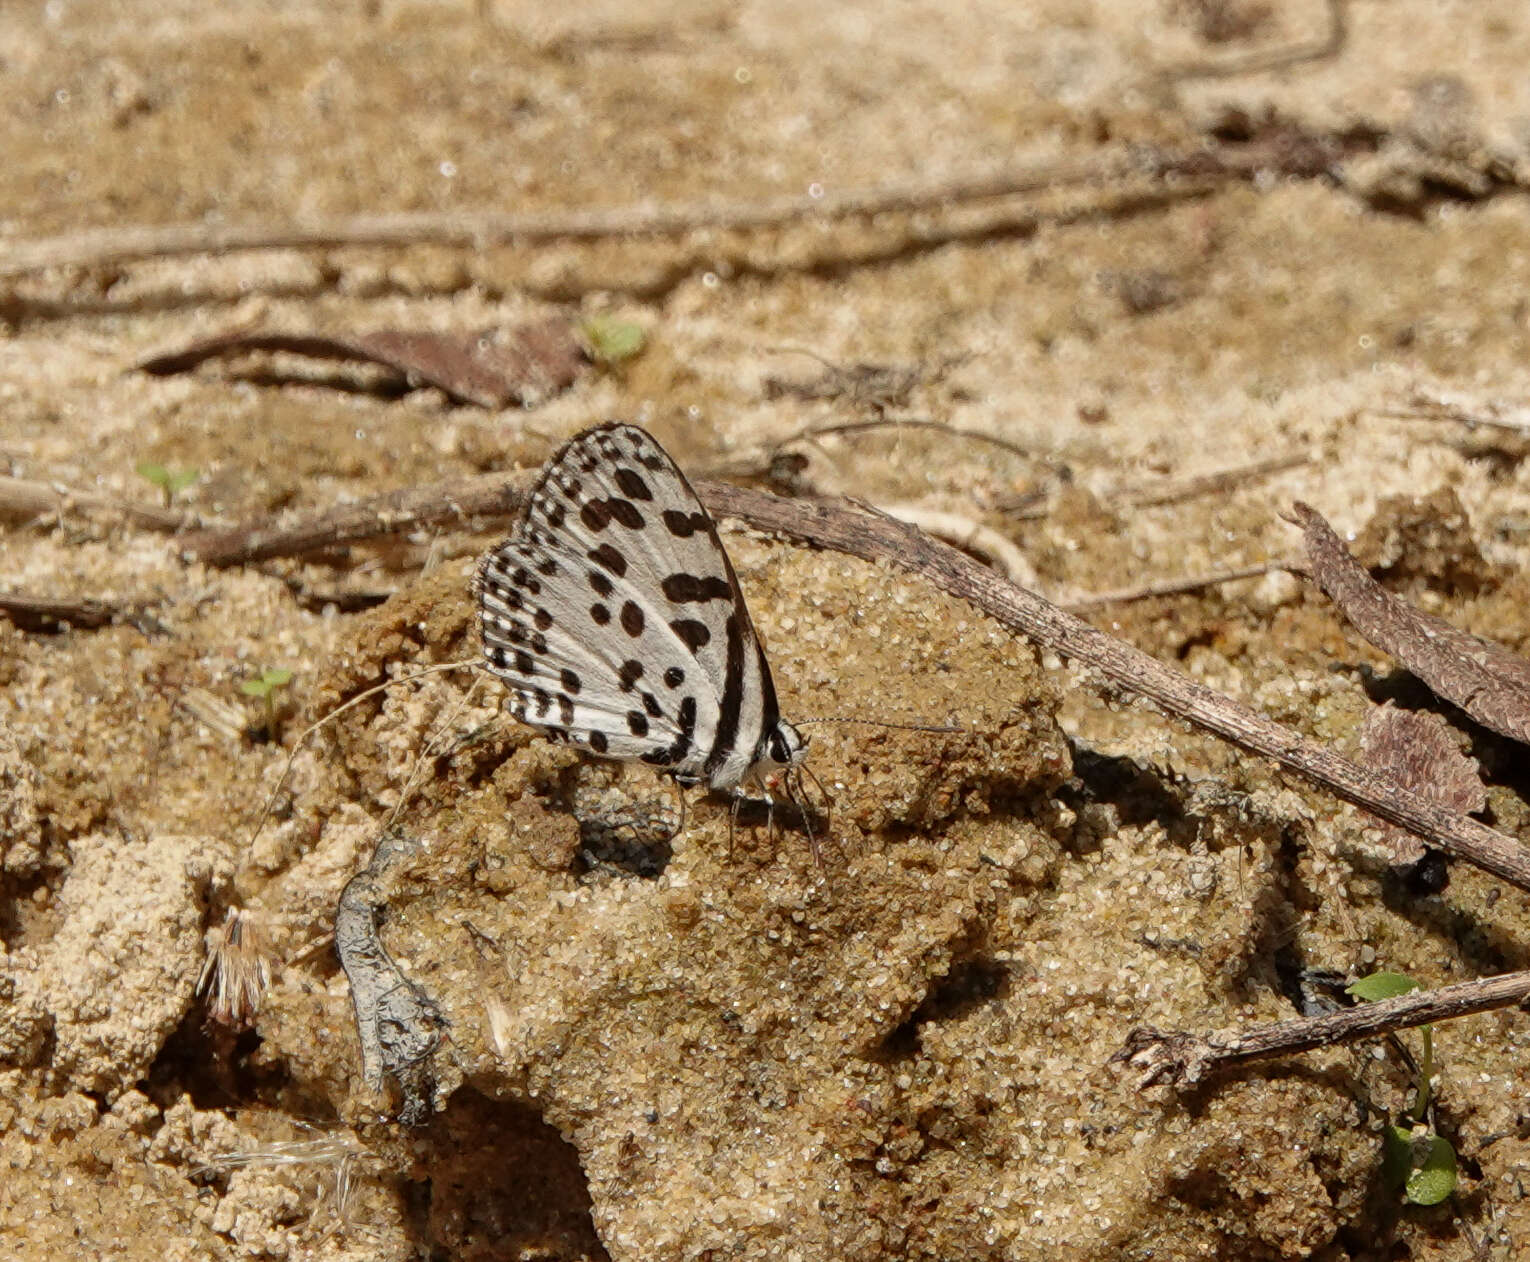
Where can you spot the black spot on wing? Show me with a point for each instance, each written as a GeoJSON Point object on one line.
{"type": "Point", "coordinates": [600, 615]}
{"type": "Point", "coordinates": [598, 742]}
{"type": "Point", "coordinates": [599, 583]}
{"type": "Point", "coordinates": [637, 722]}
{"type": "Point", "coordinates": [694, 635]}
{"type": "Point", "coordinates": [566, 709]}
{"type": "Point", "coordinates": [683, 525]}
{"type": "Point", "coordinates": [598, 514]}
{"type": "Point", "coordinates": [631, 671]}
{"type": "Point", "coordinates": [524, 664]}
{"type": "Point", "coordinates": [570, 680]}
{"type": "Point", "coordinates": [610, 558]}
{"type": "Point", "coordinates": [632, 619]}
{"type": "Point", "coordinates": [543, 619]}
{"type": "Point", "coordinates": [632, 484]}
{"type": "Point", "coordinates": [626, 512]}
{"type": "Point", "coordinates": [674, 677]}
{"type": "Point", "coordinates": [693, 588]}
{"type": "Point", "coordinates": [676, 751]}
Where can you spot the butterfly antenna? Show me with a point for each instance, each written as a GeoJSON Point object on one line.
{"type": "Point", "coordinates": [472, 663]}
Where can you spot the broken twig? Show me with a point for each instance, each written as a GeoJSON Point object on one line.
{"type": "Point", "coordinates": [1182, 1059]}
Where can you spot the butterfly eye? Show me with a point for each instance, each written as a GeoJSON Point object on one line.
{"type": "Point", "coordinates": [779, 751]}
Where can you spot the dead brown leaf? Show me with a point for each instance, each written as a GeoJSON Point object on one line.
{"type": "Point", "coordinates": [1482, 677]}
{"type": "Point", "coordinates": [1420, 751]}
{"type": "Point", "coordinates": [492, 368]}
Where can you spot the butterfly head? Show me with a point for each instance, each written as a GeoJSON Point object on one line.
{"type": "Point", "coordinates": [782, 748]}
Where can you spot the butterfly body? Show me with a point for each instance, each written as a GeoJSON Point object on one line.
{"type": "Point", "coordinates": [614, 615]}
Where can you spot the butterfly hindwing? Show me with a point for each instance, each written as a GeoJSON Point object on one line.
{"type": "Point", "coordinates": [614, 615]}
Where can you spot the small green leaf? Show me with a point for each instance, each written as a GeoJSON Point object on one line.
{"type": "Point", "coordinates": [1381, 986]}
{"type": "Point", "coordinates": [180, 479]}
{"type": "Point", "coordinates": [613, 341]}
{"type": "Point", "coordinates": [155, 473]}
{"type": "Point", "coordinates": [267, 682]}
{"type": "Point", "coordinates": [1435, 1178]}
{"type": "Point", "coordinates": [1396, 1157]}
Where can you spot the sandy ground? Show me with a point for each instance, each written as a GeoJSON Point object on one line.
{"type": "Point", "coordinates": [903, 1054]}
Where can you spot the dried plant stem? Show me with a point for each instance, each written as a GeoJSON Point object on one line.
{"type": "Point", "coordinates": [22, 499]}
{"type": "Point", "coordinates": [1172, 586]}
{"type": "Point", "coordinates": [1283, 150]}
{"type": "Point", "coordinates": [43, 612]}
{"type": "Point", "coordinates": [1183, 1059]}
{"type": "Point", "coordinates": [876, 538]}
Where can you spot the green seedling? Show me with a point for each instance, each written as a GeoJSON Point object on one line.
{"type": "Point", "coordinates": [612, 342]}
{"type": "Point", "coordinates": [1415, 1159]}
{"type": "Point", "coordinates": [169, 481]}
{"type": "Point", "coordinates": [266, 686]}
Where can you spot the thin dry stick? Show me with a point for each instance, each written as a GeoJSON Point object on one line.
{"type": "Point", "coordinates": [883, 539]}
{"type": "Point", "coordinates": [486, 228]}
{"type": "Point", "coordinates": [1218, 483]}
{"type": "Point", "coordinates": [22, 499]}
{"type": "Point", "coordinates": [1286, 151]}
{"type": "Point", "coordinates": [1166, 490]}
{"type": "Point", "coordinates": [1172, 586]}
{"type": "Point", "coordinates": [45, 611]}
{"type": "Point", "coordinates": [467, 663]}
{"type": "Point", "coordinates": [1183, 1059]}
{"type": "Point", "coordinates": [896, 422]}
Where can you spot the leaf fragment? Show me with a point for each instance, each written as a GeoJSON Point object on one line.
{"type": "Point", "coordinates": [1419, 750]}
{"type": "Point", "coordinates": [1484, 678]}
{"type": "Point", "coordinates": [522, 364]}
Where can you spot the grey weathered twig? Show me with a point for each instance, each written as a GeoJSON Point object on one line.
{"type": "Point", "coordinates": [875, 538]}
{"type": "Point", "coordinates": [398, 1023]}
{"type": "Point", "coordinates": [1183, 1059]}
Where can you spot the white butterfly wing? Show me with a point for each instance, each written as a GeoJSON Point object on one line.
{"type": "Point", "coordinates": [615, 617]}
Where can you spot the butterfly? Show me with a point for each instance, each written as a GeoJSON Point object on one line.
{"type": "Point", "coordinates": [613, 614]}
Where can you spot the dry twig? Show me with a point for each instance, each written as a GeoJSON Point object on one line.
{"type": "Point", "coordinates": [1171, 586]}
{"type": "Point", "coordinates": [1183, 1059]}
{"type": "Point", "coordinates": [882, 539]}
{"type": "Point", "coordinates": [1031, 506]}
{"type": "Point", "coordinates": [22, 499]}
{"type": "Point", "coordinates": [908, 422]}
{"type": "Point", "coordinates": [48, 613]}
{"type": "Point", "coordinates": [1287, 150]}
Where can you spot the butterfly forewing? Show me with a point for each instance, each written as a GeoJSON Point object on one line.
{"type": "Point", "coordinates": [614, 615]}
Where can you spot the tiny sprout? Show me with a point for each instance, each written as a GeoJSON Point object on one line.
{"type": "Point", "coordinates": [1414, 1158]}
{"type": "Point", "coordinates": [266, 686]}
{"type": "Point", "coordinates": [612, 342]}
{"type": "Point", "coordinates": [170, 481]}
